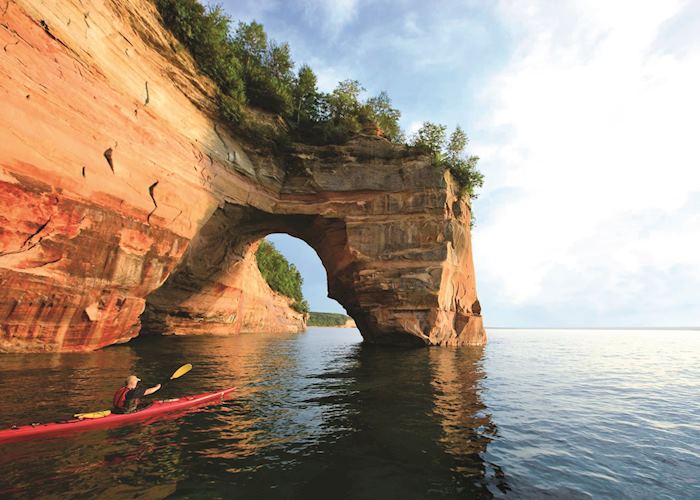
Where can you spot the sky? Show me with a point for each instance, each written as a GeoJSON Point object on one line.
{"type": "Point", "coordinates": [586, 117]}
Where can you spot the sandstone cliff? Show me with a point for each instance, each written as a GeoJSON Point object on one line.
{"type": "Point", "coordinates": [120, 193]}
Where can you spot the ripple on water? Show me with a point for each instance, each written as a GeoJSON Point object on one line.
{"type": "Point", "coordinates": [534, 414]}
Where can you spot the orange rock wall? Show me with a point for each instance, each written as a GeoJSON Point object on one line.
{"type": "Point", "coordinates": [121, 193]}
{"type": "Point", "coordinates": [107, 170]}
{"type": "Point", "coordinates": [238, 302]}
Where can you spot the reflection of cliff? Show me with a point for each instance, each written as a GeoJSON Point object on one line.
{"type": "Point", "coordinates": [411, 425]}
{"type": "Point", "coordinates": [466, 424]}
{"type": "Point", "coordinates": [312, 413]}
{"type": "Point", "coordinates": [114, 170]}
{"type": "Point", "coordinates": [323, 414]}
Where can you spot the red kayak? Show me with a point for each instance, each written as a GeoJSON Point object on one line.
{"type": "Point", "coordinates": [115, 419]}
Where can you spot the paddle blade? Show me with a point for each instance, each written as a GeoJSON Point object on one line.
{"type": "Point", "coordinates": [181, 371]}
{"type": "Point", "coordinates": [94, 414]}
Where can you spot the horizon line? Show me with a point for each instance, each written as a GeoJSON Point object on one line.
{"type": "Point", "coordinates": [592, 327]}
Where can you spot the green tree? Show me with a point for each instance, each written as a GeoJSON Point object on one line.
{"type": "Point", "coordinates": [250, 43]}
{"type": "Point", "coordinates": [387, 117]}
{"type": "Point", "coordinates": [249, 68]}
{"type": "Point", "coordinates": [306, 95]}
{"type": "Point", "coordinates": [465, 172]}
{"type": "Point", "coordinates": [431, 137]}
{"type": "Point", "coordinates": [458, 141]}
{"type": "Point", "coordinates": [451, 156]}
{"type": "Point", "coordinates": [205, 33]}
{"type": "Point", "coordinates": [344, 101]}
{"type": "Point", "coordinates": [267, 68]}
{"type": "Point", "coordinates": [282, 276]}
{"type": "Point", "coordinates": [279, 61]}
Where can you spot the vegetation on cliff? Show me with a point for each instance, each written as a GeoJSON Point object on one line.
{"type": "Point", "coordinates": [282, 276]}
{"type": "Point", "coordinates": [251, 70]}
{"type": "Point", "coordinates": [326, 319]}
{"type": "Point", "coordinates": [450, 155]}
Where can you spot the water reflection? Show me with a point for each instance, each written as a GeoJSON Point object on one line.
{"type": "Point", "coordinates": [467, 427]}
{"type": "Point", "coordinates": [58, 385]}
{"type": "Point", "coordinates": [416, 425]}
{"type": "Point", "coordinates": [317, 413]}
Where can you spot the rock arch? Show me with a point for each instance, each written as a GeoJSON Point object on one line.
{"type": "Point", "coordinates": [399, 261]}
{"type": "Point", "coordinates": [110, 200]}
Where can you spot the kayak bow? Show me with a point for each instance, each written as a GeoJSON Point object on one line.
{"type": "Point", "coordinates": [156, 409]}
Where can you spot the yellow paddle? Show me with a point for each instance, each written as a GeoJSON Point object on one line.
{"type": "Point", "coordinates": [94, 414]}
{"type": "Point", "coordinates": [181, 371]}
{"type": "Point", "coordinates": [99, 414]}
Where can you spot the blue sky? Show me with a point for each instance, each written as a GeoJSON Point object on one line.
{"type": "Point", "coordinates": [585, 114]}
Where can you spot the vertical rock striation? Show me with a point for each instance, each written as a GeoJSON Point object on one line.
{"type": "Point", "coordinates": [121, 193]}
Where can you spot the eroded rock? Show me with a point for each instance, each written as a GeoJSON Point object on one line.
{"type": "Point", "coordinates": [173, 229]}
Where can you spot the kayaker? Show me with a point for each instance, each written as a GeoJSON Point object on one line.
{"type": "Point", "coordinates": [127, 398]}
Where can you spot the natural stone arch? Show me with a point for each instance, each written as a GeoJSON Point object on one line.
{"type": "Point", "coordinates": [209, 291]}
{"type": "Point", "coordinates": [101, 198]}
{"type": "Point", "coordinates": [398, 261]}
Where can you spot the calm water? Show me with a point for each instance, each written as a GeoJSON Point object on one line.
{"type": "Point", "coordinates": [560, 414]}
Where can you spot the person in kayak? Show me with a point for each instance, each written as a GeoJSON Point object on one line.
{"type": "Point", "coordinates": [127, 398]}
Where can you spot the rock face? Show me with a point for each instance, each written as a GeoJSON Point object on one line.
{"type": "Point", "coordinates": [349, 323]}
{"type": "Point", "coordinates": [216, 293]}
{"type": "Point", "coordinates": [124, 201]}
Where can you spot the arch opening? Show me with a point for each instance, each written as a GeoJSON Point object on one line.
{"type": "Point", "coordinates": [217, 288]}
{"type": "Point", "coordinates": [314, 276]}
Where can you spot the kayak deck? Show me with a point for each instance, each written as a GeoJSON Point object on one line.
{"type": "Point", "coordinates": [159, 407]}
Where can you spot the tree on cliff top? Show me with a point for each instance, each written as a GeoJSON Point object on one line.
{"type": "Point", "coordinates": [306, 96]}
{"type": "Point", "coordinates": [248, 68]}
{"type": "Point", "coordinates": [431, 137]}
{"type": "Point", "coordinates": [205, 33]}
{"type": "Point", "coordinates": [283, 277]}
{"type": "Point", "coordinates": [379, 110]}
{"type": "Point", "coordinates": [267, 68]}
{"type": "Point", "coordinates": [463, 167]}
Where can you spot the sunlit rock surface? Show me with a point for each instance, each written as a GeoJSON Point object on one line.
{"type": "Point", "coordinates": [120, 193]}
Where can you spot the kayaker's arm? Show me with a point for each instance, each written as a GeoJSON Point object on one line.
{"type": "Point", "coordinates": [151, 390]}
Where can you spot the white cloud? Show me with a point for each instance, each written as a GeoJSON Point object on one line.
{"type": "Point", "coordinates": [601, 142]}
{"type": "Point", "coordinates": [331, 16]}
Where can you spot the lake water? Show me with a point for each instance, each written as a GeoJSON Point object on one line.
{"type": "Point", "coordinates": [534, 414]}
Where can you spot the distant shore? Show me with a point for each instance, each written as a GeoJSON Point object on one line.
{"type": "Point", "coordinates": [330, 320]}
{"type": "Point", "coordinates": [331, 326]}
